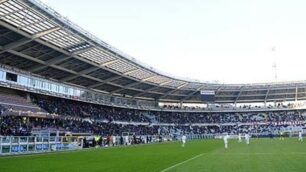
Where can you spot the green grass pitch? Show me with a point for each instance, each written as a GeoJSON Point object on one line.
{"type": "Point", "coordinates": [202, 155]}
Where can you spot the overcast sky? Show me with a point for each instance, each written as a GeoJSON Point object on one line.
{"type": "Point", "coordinates": [229, 41]}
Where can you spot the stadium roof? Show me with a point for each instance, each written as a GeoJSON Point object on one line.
{"type": "Point", "coordinates": [37, 39]}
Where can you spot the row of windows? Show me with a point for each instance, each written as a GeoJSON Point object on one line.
{"type": "Point", "coordinates": [37, 83]}
{"type": "Point", "coordinates": [41, 84]}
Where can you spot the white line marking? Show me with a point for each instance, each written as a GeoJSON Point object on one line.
{"type": "Point", "coordinates": [259, 153]}
{"type": "Point", "coordinates": [262, 153]}
{"type": "Point", "coordinates": [183, 162]}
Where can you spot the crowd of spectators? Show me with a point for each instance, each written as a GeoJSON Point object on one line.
{"type": "Point", "coordinates": [247, 117]}
{"type": "Point", "coordinates": [22, 126]}
{"type": "Point", "coordinates": [87, 110]}
{"type": "Point", "coordinates": [16, 125]}
{"type": "Point", "coordinates": [221, 107]}
{"type": "Point", "coordinates": [81, 117]}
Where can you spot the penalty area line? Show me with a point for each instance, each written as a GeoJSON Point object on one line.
{"type": "Point", "coordinates": [183, 162]}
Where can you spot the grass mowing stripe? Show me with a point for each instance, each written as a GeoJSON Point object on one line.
{"type": "Point", "coordinates": [178, 164]}
{"type": "Point", "coordinates": [149, 158]}
{"type": "Point", "coordinates": [76, 150]}
{"type": "Point", "coordinates": [33, 154]}
{"type": "Point", "coordinates": [260, 153]}
{"type": "Point", "coordinates": [269, 155]}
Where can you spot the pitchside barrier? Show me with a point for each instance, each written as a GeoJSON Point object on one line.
{"type": "Point", "coordinates": [29, 144]}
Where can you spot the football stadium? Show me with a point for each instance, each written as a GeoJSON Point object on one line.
{"type": "Point", "coordinates": [69, 101]}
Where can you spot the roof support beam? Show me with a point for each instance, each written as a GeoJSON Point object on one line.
{"type": "Point", "coordinates": [5, 33]}
{"type": "Point", "coordinates": [152, 88]}
{"type": "Point", "coordinates": [150, 77]}
{"type": "Point", "coordinates": [2, 1]}
{"type": "Point", "coordinates": [172, 91]}
{"type": "Point", "coordinates": [167, 94]}
{"type": "Point", "coordinates": [146, 91]}
{"type": "Point", "coordinates": [142, 93]}
{"type": "Point", "coordinates": [15, 44]}
{"type": "Point", "coordinates": [39, 61]}
{"type": "Point", "coordinates": [123, 87]}
{"type": "Point", "coordinates": [83, 72]}
{"type": "Point", "coordinates": [183, 85]}
{"type": "Point", "coordinates": [4, 24]}
{"type": "Point", "coordinates": [87, 71]}
{"type": "Point", "coordinates": [267, 93]}
{"type": "Point", "coordinates": [23, 41]}
{"type": "Point", "coordinates": [64, 69]}
{"type": "Point", "coordinates": [126, 87]}
{"type": "Point", "coordinates": [45, 32]}
{"type": "Point", "coordinates": [59, 49]}
{"type": "Point", "coordinates": [133, 84]}
{"type": "Point", "coordinates": [130, 87]}
{"type": "Point", "coordinates": [51, 62]}
{"type": "Point", "coordinates": [164, 83]}
{"type": "Point", "coordinates": [106, 81]}
{"type": "Point", "coordinates": [286, 94]}
{"type": "Point", "coordinates": [131, 71]}
{"type": "Point", "coordinates": [82, 51]}
{"type": "Point", "coordinates": [103, 67]}
{"type": "Point", "coordinates": [110, 62]}
{"type": "Point", "coordinates": [192, 93]}
{"type": "Point", "coordinates": [241, 88]}
{"type": "Point", "coordinates": [296, 93]}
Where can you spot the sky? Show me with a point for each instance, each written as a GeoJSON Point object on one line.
{"type": "Point", "coordinates": [225, 41]}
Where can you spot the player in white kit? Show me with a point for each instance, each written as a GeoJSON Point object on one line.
{"type": "Point", "coordinates": [183, 140]}
{"type": "Point", "coordinates": [126, 138]}
{"type": "Point", "coordinates": [114, 140]}
{"type": "Point", "coordinates": [225, 139]}
{"type": "Point", "coordinates": [247, 138]}
{"type": "Point", "coordinates": [239, 138]}
{"type": "Point", "coordinates": [300, 136]}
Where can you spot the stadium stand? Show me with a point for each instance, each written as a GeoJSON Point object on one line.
{"type": "Point", "coordinates": [59, 78]}
{"type": "Point", "coordinates": [17, 103]}
{"type": "Point", "coordinates": [81, 117]}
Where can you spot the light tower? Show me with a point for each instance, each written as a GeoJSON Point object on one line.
{"type": "Point", "coordinates": [274, 66]}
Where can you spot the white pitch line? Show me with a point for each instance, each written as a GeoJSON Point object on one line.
{"type": "Point", "coordinates": [260, 153]}
{"type": "Point", "coordinates": [183, 162]}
